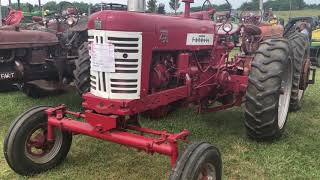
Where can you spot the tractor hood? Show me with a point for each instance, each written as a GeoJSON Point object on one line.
{"type": "Point", "coordinates": [11, 39]}
{"type": "Point", "coordinates": [145, 22]}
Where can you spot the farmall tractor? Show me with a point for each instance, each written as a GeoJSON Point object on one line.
{"type": "Point", "coordinates": [148, 63]}
{"type": "Point", "coordinates": [40, 56]}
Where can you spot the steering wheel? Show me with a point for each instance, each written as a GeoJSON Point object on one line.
{"type": "Point", "coordinates": [251, 17]}
{"type": "Point", "coordinates": [206, 2]}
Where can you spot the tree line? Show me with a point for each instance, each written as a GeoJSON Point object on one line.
{"type": "Point", "coordinates": [174, 5]}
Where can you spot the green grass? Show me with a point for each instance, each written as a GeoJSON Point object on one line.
{"type": "Point", "coordinates": [298, 13]}
{"type": "Point", "coordinates": [294, 156]}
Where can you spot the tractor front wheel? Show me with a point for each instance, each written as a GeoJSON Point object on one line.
{"type": "Point", "coordinates": [269, 90]}
{"type": "Point", "coordinates": [26, 148]}
{"type": "Point", "coordinates": [199, 161]}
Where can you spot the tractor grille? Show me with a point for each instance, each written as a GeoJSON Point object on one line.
{"type": "Point", "coordinates": [124, 83]}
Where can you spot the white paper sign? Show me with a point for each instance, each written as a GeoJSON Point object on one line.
{"type": "Point", "coordinates": [196, 39]}
{"type": "Point", "coordinates": [102, 57]}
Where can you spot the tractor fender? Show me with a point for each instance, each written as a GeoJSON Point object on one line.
{"type": "Point", "coordinates": [271, 31]}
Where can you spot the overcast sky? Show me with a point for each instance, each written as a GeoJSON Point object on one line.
{"type": "Point", "coordinates": [235, 3]}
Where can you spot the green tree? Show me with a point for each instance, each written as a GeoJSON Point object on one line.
{"type": "Point", "coordinates": [81, 6]}
{"type": "Point", "coordinates": [51, 6]}
{"type": "Point", "coordinates": [224, 7]}
{"type": "Point", "coordinates": [152, 5]}
{"type": "Point", "coordinates": [162, 8]}
{"type": "Point", "coordinates": [174, 5]}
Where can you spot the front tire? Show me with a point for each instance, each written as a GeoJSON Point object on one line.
{"type": "Point", "coordinates": [269, 90]}
{"type": "Point", "coordinates": [199, 161]}
{"type": "Point", "coordinates": [26, 149]}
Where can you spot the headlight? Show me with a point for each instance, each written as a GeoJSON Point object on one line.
{"type": "Point", "coordinates": [71, 21]}
{"type": "Point", "coordinates": [227, 27]}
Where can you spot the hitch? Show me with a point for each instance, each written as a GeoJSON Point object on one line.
{"type": "Point", "coordinates": [107, 128]}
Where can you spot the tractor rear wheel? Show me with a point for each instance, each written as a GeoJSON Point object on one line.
{"type": "Point", "coordinates": [299, 47]}
{"type": "Point", "coordinates": [82, 71]}
{"type": "Point", "coordinates": [26, 148]}
{"type": "Point", "coordinates": [269, 90]}
{"type": "Point", "coordinates": [199, 161]}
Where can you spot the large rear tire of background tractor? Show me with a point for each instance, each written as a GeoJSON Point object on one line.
{"type": "Point", "coordinates": [269, 90]}
{"type": "Point", "coordinates": [82, 71]}
{"type": "Point", "coordinates": [26, 148]}
{"type": "Point", "coordinates": [199, 161]}
{"type": "Point", "coordinates": [318, 60]}
{"type": "Point", "coordinates": [299, 51]}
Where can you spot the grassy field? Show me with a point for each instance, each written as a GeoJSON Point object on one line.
{"type": "Point", "coordinates": [295, 156]}
{"type": "Point", "coordinates": [287, 14]}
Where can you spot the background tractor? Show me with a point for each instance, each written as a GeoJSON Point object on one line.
{"type": "Point", "coordinates": [70, 27]}
{"type": "Point", "coordinates": [313, 26]}
{"type": "Point", "coordinates": [40, 57]}
{"type": "Point", "coordinates": [255, 29]}
{"type": "Point", "coordinates": [172, 62]}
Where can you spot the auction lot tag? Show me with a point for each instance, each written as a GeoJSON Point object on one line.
{"type": "Point", "coordinates": [102, 57]}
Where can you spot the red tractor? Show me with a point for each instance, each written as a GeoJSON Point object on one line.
{"type": "Point", "coordinates": [40, 57]}
{"type": "Point", "coordinates": [150, 64]}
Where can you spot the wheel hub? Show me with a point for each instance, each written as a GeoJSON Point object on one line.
{"type": "Point", "coordinates": [38, 149]}
{"type": "Point", "coordinates": [207, 172]}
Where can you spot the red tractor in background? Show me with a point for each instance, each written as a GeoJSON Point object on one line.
{"type": "Point", "coordinates": [40, 57]}
{"type": "Point", "coordinates": [150, 64]}
{"type": "Point", "coordinates": [254, 29]}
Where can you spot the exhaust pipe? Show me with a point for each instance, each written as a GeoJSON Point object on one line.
{"type": "Point", "coordinates": [137, 5]}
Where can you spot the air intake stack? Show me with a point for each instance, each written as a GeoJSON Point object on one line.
{"type": "Point", "coordinates": [137, 5]}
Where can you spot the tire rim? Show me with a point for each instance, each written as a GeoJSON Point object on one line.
{"type": "Point", "coordinates": [284, 99]}
{"type": "Point", "coordinates": [207, 172]}
{"type": "Point", "coordinates": [38, 149]}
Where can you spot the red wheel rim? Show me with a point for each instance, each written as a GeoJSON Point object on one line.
{"type": "Point", "coordinates": [38, 149]}
{"type": "Point", "coordinates": [37, 144]}
{"type": "Point", "coordinates": [207, 172]}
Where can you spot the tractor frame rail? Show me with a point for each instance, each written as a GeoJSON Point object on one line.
{"type": "Point", "coordinates": [106, 127]}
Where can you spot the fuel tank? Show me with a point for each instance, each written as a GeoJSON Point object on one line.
{"type": "Point", "coordinates": [162, 32]}
{"type": "Point", "coordinates": [11, 39]}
